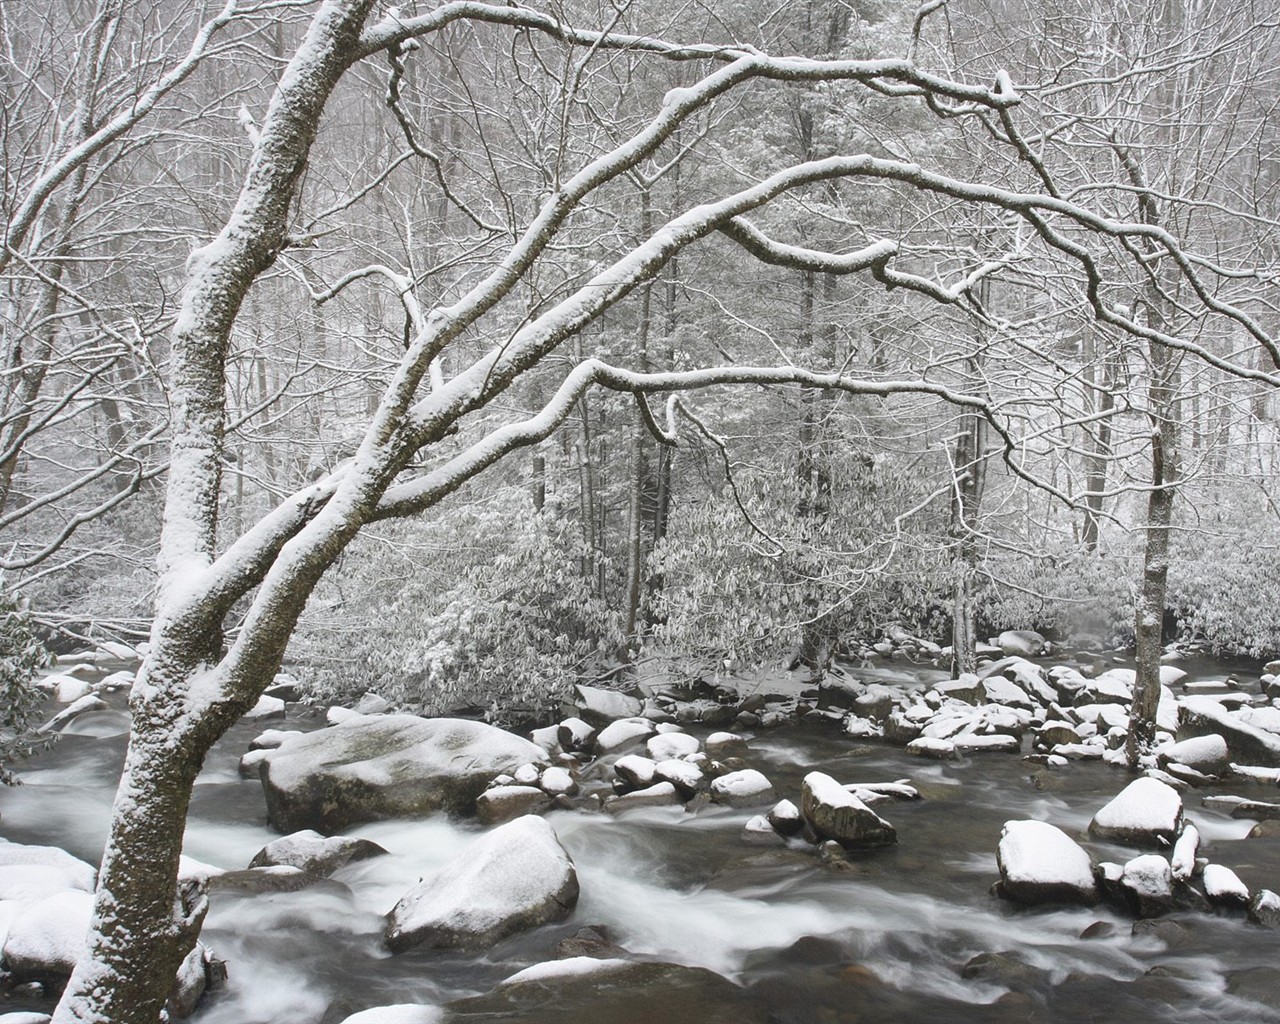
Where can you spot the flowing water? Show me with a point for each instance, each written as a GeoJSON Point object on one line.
{"type": "Point", "coordinates": [880, 938]}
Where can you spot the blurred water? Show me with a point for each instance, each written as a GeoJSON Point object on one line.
{"type": "Point", "coordinates": [896, 926]}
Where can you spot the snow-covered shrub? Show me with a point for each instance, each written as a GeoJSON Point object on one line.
{"type": "Point", "coordinates": [21, 655]}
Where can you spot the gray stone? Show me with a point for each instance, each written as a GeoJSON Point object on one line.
{"type": "Point", "coordinates": [599, 707]}
{"type": "Point", "coordinates": [504, 803]}
{"type": "Point", "coordinates": [835, 813]}
{"type": "Point", "coordinates": [512, 879]}
{"type": "Point", "coordinates": [310, 851]}
{"type": "Point", "coordinates": [385, 766]}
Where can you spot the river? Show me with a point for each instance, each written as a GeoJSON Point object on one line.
{"type": "Point", "coordinates": [883, 938]}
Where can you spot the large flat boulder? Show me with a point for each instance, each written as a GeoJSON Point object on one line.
{"type": "Point", "coordinates": [1147, 812]}
{"type": "Point", "coordinates": [1039, 863]}
{"type": "Point", "coordinates": [1246, 742]}
{"type": "Point", "coordinates": [514, 878]}
{"type": "Point", "coordinates": [385, 766]}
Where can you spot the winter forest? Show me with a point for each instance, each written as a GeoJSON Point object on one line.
{"type": "Point", "coordinates": [727, 511]}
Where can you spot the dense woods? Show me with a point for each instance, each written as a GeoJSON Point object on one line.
{"type": "Point", "coordinates": [465, 352]}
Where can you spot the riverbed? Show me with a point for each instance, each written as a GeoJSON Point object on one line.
{"type": "Point", "coordinates": [882, 937]}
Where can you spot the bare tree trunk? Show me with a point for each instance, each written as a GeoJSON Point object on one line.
{"type": "Point", "coordinates": [966, 505]}
{"type": "Point", "coordinates": [636, 483]}
{"type": "Point", "coordinates": [1104, 402]}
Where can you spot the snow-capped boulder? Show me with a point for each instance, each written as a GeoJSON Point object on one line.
{"type": "Point", "coordinates": [667, 746]}
{"type": "Point", "coordinates": [720, 745]}
{"type": "Point", "coordinates": [1246, 741]}
{"type": "Point", "coordinates": [835, 813]}
{"type": "Point", "coordinates": [548, 738]}
{"type": "Point", "coordinates": [385, 766]}
{"type": "Point", "coordinates": [1183, 861]}
{"type": "Point", "coordinates": [1223, 887]}
{"type": "Point", "coordinates": [514, 878]}
{"type": "Point", "coordinates": [1146, 812]}
{"type": "Point", "coordinates": [89, 702]}
{"type": "Point", "coordinates": [600, 707]}
{"type": "Point", "coordinates": [758, 832]}
{"type": "Point", "coordinates": [936, 749]}
{"type": "Point", "coordinates": [1024, 643]}
{"type": "Point", "coordinates": [1207, 754]}
{"type": "Point", "coordinates": [68, 689]}
{"type": "Point", "coordinates": [745, 788]}
{"type": "Point", "coordinates": [311, 852]}
{"type": "Point", "coordinates": [635, 770]}
{"type": "Point", "coordinates": [687, 777]}
{"type": "Point", "coordinates": [1264, 909]}
{"type": "Point", "coordinates": [502, 803]}
{"type": "Point", "coordinates": [267, 707]}
{"type": "Point", "coordinates": [624, 733]}
{"type": "Point", "coordinates": [1039, 863]}
{"type": "Point", "coordinates": [557, 781]}
{"type": "Point", "coordinates": [1147, 883]}
{"type": "Point", "coordinates": [575, 735]}
{"type": "Point", "coordinates": [199, 972]}
{"type": "Point", "coordinates": [46, 937]}
{"type": "Point", "coordinates": [34, 872]}
{"type": "Point", "coordinates": [785, 818]}
{"type": "Point", "coordinates": [660, 794]}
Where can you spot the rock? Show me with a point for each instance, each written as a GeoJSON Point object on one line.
{"type": "Point", "coordinates": [1053, 733]}
{"type": "Point", "coordinates": [510, 880]}
{"type": "Point", "coordinates": [668, 746]}
{"type": "Point", "coordinates": [744, 788]}
{"type": "Point", "coordinates": [1039, 863]}
{"type": "Point", "coordinates": [1248, 744]}
{"type": "Point", "coordinates": [1023, 643]}
{"type": "Point", "coordinates": [1099, 930]}
{"type": "Point", "coordinates": [785, 818]}
{"type": "Point", "coordinates": [548, 738]}
{"type": "Point", "coordinates": [759, 832]}
{"type": "Point", "coordinates": [310, 851]}
{"type": "Point", "coordinates": [686, 777]}
{"type": "Point", "coordinates": [277, 878]}
{"type": "Point", "coordinates": [1183, 861]}
{"type": "Point", "coordinates": [1006, 969]}
{"type": "Point", "coordinates": [720, 745]}
{"type": "Point", "coordinates": [385, 766]}
{"type": "Point", "coordinates": [987, 744]}
{"type": "Point", "coordinates": [635, 771]}
{"type": "Point", "coordinates": [1000, 690]}
{"type": "Point", "coordinates": [1148, 884]}
{"type": "Point", "coordinates": [600, 707]}
{"type": "Point", "coordinates": [199, 971]}
{"type": "Point", "coordinates": [1223, 887]}
{"type": "Point", "coordinates": [938, 750]}
{"type": "Point", "coordinates": [625, 732]}
{"type": "Point", "coordinates": [67, 689]}
{"type": "Point", "coordinates": [967, 688]}
{"type": "Point", "coordinates": [1268, 829]}
{"type": "Point", "coordinates": [1240, 807]}
{"type": "Point", "coordinates": [834, 692]}
{"type": "Point", "coordinates": [46, 937]}
{"type": "Point", "coordinates": [585, 990]}
{"type": "Point", "coordinates": [575, 735]}
{"type": "Point", "coordinates": [593, 941]}
{"type": "Point", "coordinates": [83, 705]}
{"type": "Point", "coordinates": [338, 715]}
{"type": "Point", "coordinates": [270, 739]}
{"type": "Point", "coordinates": [398, 1013]}
{"type": "Point", "coordinates": [557, 781]}
{"type": "Point", "coordinates": [1145, 812]}
{"type": "Point", "coordinates": [252, 762]}
{"type": "Point", "coordinates": [660, 794]}
{"type": "Point", "coordinates": [35, 872]}
{"type": "Point", "coordinates": [1264, 909]}
{"type": "Point", "coordinates": [526, 775]}
{"type": "Point", "coordinates": [835, 813]}
{"type": "Point", "coordinates": [503, 803]}
{"type": "Point", "coordinates": [1206, 754]}
{"type": "Point", "coordinates": [267, 707]}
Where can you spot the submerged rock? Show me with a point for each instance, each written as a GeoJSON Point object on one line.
{"type": "Point", "coordinates": [514, 878]}
{"type": "Point", "coordinates": [1039, 863]}
{"type": "Point", "coordinates": [835, 813]}
{"type": "Point", "coordinates": [586, 990]}
{"type": "Point", "coordinates": [1146, 812]}
{"type": "Point", "coordinates": [385, 766]}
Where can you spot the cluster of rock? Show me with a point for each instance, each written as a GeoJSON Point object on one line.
{"type": "Point", "coordinates": [46, 904]}
{"type": "Point", "coordinates": [1065, 712]}
{"type": "Point", "coordinates": [835, 818]}
{"type": "Point", "coordinates": [1040, 864]}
